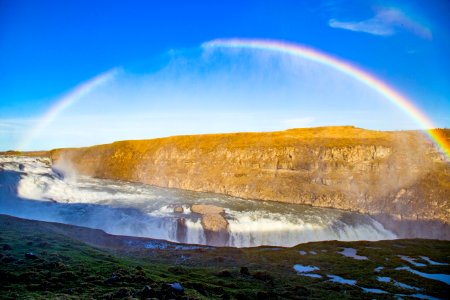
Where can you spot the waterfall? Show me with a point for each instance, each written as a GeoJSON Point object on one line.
{"type": "Point", "coordinates": [31, 188]}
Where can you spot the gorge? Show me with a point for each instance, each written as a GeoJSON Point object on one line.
{"type": "Point", "coordinates": [397, 177]}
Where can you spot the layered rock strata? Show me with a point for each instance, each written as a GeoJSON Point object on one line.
{"type": "Point", "coordinates": [398, 175]}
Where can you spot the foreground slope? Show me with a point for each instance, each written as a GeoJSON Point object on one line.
{"type": "Point", "coordinates": [398, 176]}
{"type": "Point", "coordinates": [57, 261]}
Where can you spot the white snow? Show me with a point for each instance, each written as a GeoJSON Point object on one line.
{"type": "Point", "coordinates": [384, 279]}
{"type": "Point", "coordinates": [439, 277]}
{"type": "Point", "coordinates": [422, 296]}
{"type": "Point", "coordinates": [313, 275]}
{"type": "Point", "coordinates": [305, 269]}
{"type": "Point", "coordinates": [313, 252]}
{"type": "Point", "coordinates": [406, 286]}
{"type": "Point", "coordinates": [350, 252]}
{"type": "Point", "coordinates": [302, 252]}
{"type": "Point", "coordinates": [378, 269]}
{"type": "Point", "coordinates": [432, 262]}
{"type": "Point", "coordinates": [339, 279]}
{"type": "Point", "coordinates": [418, 296]}
{"type": "Point", "coordinates": [412, 261]}
{"type": "Point", "coordinates": [374, 291]}
{"type": "Point", "coordinates": [398, 284]}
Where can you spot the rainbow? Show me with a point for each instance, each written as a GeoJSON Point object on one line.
{"type": "Point", "coordinates": [268, 45]}
{"type": "Point", "coordinates": [70, 98]}
{"type": "Point", "coordinates": [344, 67]}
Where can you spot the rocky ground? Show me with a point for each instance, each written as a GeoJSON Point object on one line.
{"type": "Point", "coordinates": [40, 260]}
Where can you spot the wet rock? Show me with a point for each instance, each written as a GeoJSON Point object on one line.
{"type": "Point", "coordinates": [113, 279]}
{"type": "Point", "coordinates": [214, 224]}
{"type": "Point", "coordinates": [244, 271]}
{"type": "Point", "coordinates": [58, 173]}
{"type": "Point", "coordinates": [178, 209]}
{"type": "Point", "coordinates": [181, 230]}
{"type": "Point", "coordinates": [6, 247]}
{"type": "Point", "coordinates": [30, 255]}
{"type": "Point", "coordinates": [148, 292]}
{"type": "Point", "coordinates": [205, 209]}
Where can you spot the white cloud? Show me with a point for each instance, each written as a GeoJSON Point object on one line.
{"type": "Point", "coordinates": [386, 22]}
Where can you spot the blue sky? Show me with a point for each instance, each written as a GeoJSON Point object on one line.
{"type": "Point", "coordinates": [166, 84]}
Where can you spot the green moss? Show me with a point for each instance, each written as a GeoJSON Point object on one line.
{"type": "Point", "coordinates": [71, 269]}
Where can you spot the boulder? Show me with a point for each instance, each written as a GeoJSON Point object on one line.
{"type": "Point", "coordinates": [148, 292]}
{"type": "Point", "coordinates": [178, 209]}
{"type": "Point", "coordinates": [214, 224]}
{"type": "Point", "coordinates": [205, 209]}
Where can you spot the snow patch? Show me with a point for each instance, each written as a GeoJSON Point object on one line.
{"type": "Point", "coordinates": [378, 269]}
{"type": "Point", "coordinates": [384, 279]}
{"type": "Point", "coordinates": [305, 269]}
{"type": "Point", "coordinates": [374, 291]}
{"type": "Point", "coordinates": [398, 284]}
{"type": "Point", "coordinates": [418, 296]}
{"type": "Point", "coordinates": [351, 252]}
{"type": "Point", "coordinates": [406, 286]}
{"type": "Point", "coordinates": [313, 275]}
{"type": "Point", "coordinates": [412, 261]}
{"type": "Point", "coordinates": [339, 279]}
{"type": "Point", "coordinates": [432, 262]}
{"type": "Point", "coordinates": [439, 277]}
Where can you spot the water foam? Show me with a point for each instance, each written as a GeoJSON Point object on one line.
{"type": "Point", "coordinates": [30, 188]}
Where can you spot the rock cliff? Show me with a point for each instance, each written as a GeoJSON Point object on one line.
{"type": "Point", "coordinates": [399, 175]}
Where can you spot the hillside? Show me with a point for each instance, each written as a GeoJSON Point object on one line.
{"type": "Point", "coordinates": [58, 261]}
{"type": "Point", "coordinates": [399, 177]}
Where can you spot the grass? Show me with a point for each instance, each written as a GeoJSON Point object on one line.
{"type": "Point", "coordinates": [68, 268]}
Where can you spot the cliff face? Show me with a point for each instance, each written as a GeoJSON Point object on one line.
{"type": "Point", "coordinates": [399, 174]}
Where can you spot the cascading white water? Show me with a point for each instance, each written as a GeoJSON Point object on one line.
{"type": "Point", "coordinates": [30, 188]}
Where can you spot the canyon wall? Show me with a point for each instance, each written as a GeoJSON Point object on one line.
{"type": "Point", "coordinates": [399, 176]}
